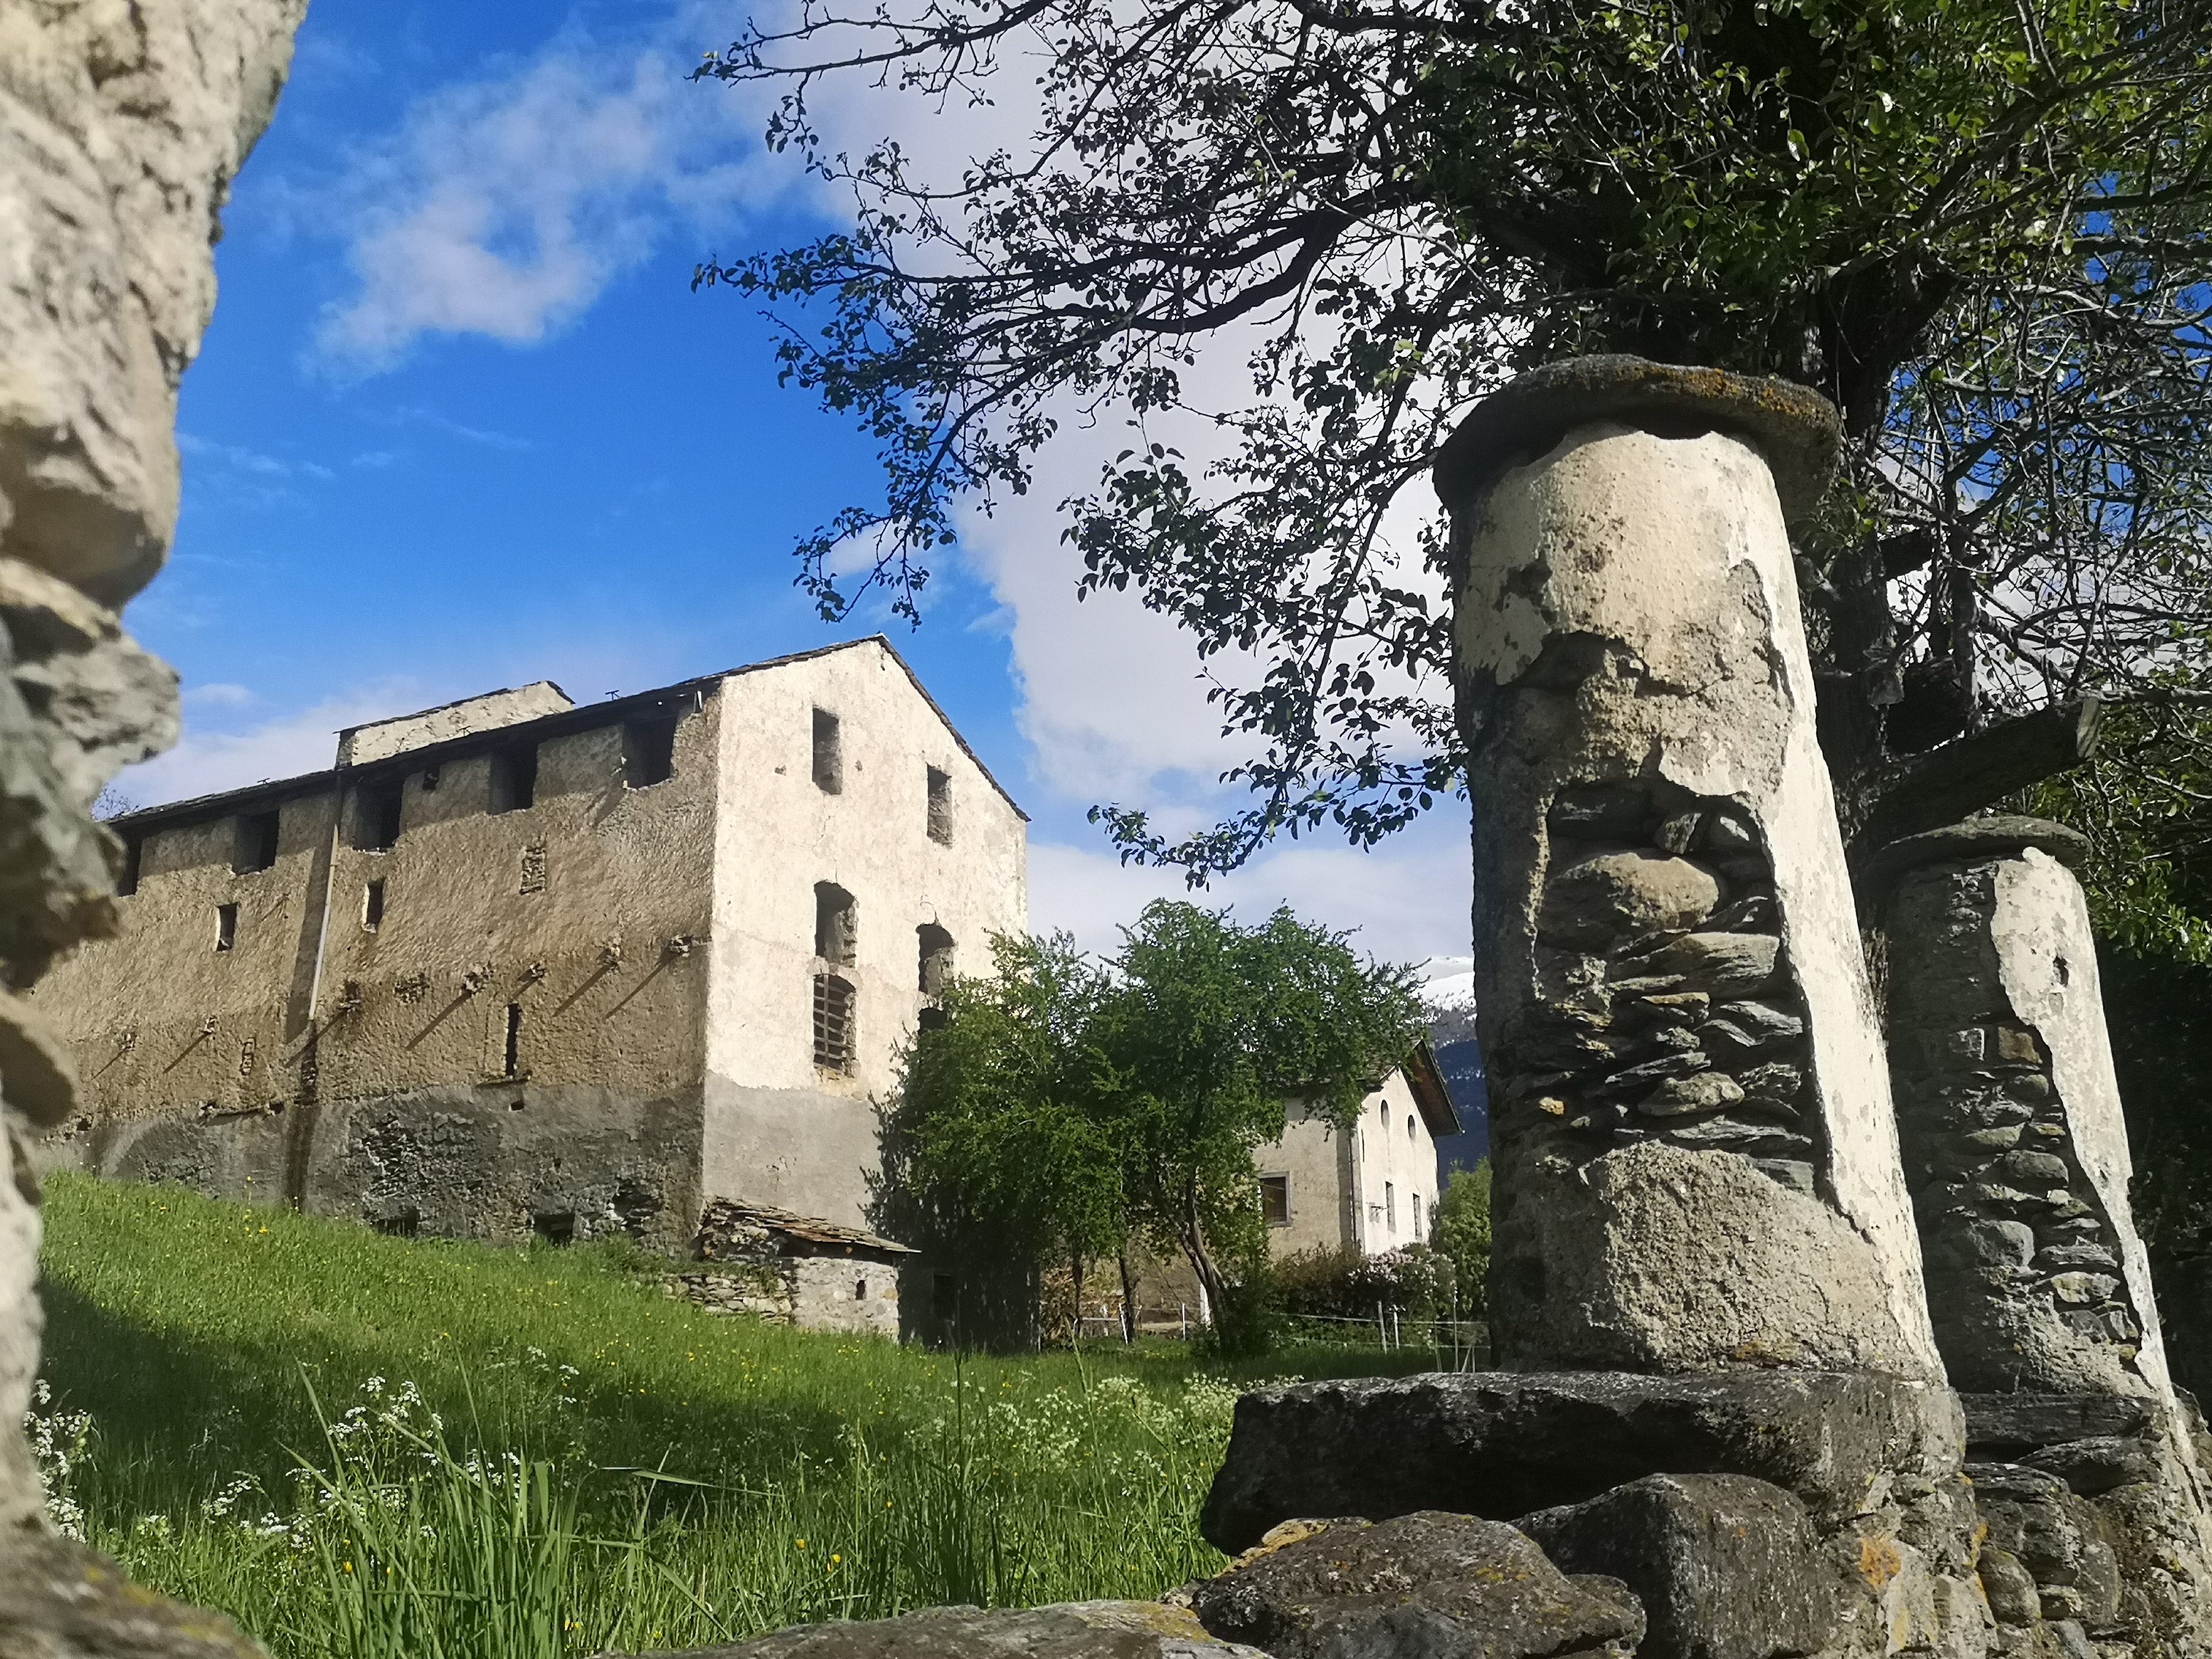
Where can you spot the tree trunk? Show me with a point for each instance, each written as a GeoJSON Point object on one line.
{"type": "Point", "coordinates": [1129, 1303]}
{"type": "Point", "coordinates": [1210, 1278]}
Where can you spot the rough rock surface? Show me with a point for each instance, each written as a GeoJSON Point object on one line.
{"type": "Point", "coordinates": [1425, 1586]}
{"type": "Point", "coordinates": [1726, 1567]}
{"type": "Point", "coordinates": [1501, 1444]}
{"type": "Point", "coordinates": [1657, 841]}
{"type": "Point", "coordinates": [61, 1601]}
{"type": "Point", "coordinates": [1073, 1630]}
{"type": "Point", "coordinates": [122, 123]}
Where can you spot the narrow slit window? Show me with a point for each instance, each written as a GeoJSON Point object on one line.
{"type": "Point", "coordinates": [1390, 1205]}
{"type": "Point", "coordinates": [134, 853]}
{"type": "Point", "coordinates": [430, 776]}
{"type": "Point", "coordinates": [1417, 1215]}
{"type": "Point", "coordinates": [1275, 1200]}
{"type": "Point", "coordinates": [941, 806]}
{"type": "Point", "coordinates": [372, 905]}
{"type": "Point", "coordinates": [648, 751]}
{"type": "Point", "coordinates": [860, 1289]}
{"type": "Point", "coordinates": [226, 926]}
{"type": "Point", "coordinates": [833, 1022]}
{"type": "Point", "coordinates": [376, 818]}
{"type": "Point", "coordinates": [836, 924]}
{"type": "Point", "coordinates": [514, 778]}
{"type": "Point", "coordinates": [513, 1067]}
{"type": "Point", "coordinates": [255, 847]}
{"type": "Point", "coordinates": [936, 948]}
{"type": "Point", "coordinates": [829, 753]}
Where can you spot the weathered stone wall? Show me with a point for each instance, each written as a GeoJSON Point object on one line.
{"type": "Point", "coordinates": [860, 1298]}
{"type": "Point", "coordinates": [121, 126]}
{"type": "Point", "coordinates": [1695, 1161]}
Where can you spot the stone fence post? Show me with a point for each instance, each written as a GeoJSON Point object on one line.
{"type": "Point", "coordinates": [1696, 1162]}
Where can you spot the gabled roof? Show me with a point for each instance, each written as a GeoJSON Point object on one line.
{"type": "Point", "coordinates": [581, 717]}
{"type": "Point", "coordinates": [793, 1234]}
{"type": "Point", "coordinates": [1431, 1094]}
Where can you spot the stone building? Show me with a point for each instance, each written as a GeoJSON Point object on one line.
{"type": "Point", "coordinates": [1372, 1190]}
{"type": "Point", "coordinates": [516, 965]}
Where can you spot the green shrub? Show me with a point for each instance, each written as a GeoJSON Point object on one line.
{"type": "Point", "coordinates": [1415, 1281]}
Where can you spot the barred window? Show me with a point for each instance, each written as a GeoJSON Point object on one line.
{"type": "Point", "coordinates": [833, 1022]}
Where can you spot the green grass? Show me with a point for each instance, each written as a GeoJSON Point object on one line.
{"type": "Point", "coordinates": [366, 1447]}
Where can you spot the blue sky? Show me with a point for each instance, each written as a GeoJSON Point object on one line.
{"type": "Point", "coordinates": [460, 422]}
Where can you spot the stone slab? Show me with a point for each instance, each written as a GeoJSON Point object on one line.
{"type": "Point", "coordinates": [1502, 1444]}
{"type": "Point", "coordinates": [61, 1601]}
{"type": "Point", "coordinates": [1424, 1586]}
{"type": "Point", "coordinates": [2018, 1422]}
{"type": "Point", "coordinates": [1071, 1630]}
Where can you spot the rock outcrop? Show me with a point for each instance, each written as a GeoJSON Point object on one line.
{"type": "Point", "coordinates": [122, 123]}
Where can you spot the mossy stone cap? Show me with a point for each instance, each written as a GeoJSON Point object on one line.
{"type": "Point", "coordinates": [1795, 429]}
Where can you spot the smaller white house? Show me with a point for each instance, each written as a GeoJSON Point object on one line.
{"type": "Point", "coordinates": [1373, 1189]}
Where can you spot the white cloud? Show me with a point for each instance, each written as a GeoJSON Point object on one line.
{"type": "Point", "coordinates": [503, 206]}
{"type": "Point", "coordinates": [218, 695]}
{"type": "Point", "coordinates": [1407, 902]}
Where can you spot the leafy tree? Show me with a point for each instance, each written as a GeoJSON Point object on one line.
{"type": "Point", "coordinates": [1064, 1106]}
{"type": "Point", "coordinates": [995, 1149]}
{"type": "Point", "coordinates": [1978, 226]}
{"type": "Point", "coordinates": [1461, 1234]}
{"type": "Point", "coordinates": [1211, 1028]}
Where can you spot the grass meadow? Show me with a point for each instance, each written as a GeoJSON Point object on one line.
{"type": "Point", "coordinates": [367, 1448]}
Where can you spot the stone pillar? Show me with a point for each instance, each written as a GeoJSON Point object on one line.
{"type": "Point", "coordinates": [2038, 1283]}
{"type": "Point", "coordinates": [1696, 1164]}
{"type": "Point", "coordinates": [121, 126]}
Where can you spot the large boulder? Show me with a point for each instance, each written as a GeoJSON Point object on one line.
{"type": "Point", "coordinates": [1427, 1586]}
{"type": "Point", "coordinates": [61, 1601]}
{"type": "Point", "coordinates": [1726, 1567]}
{"type": "Point", "coordinates": [1502, 1444]}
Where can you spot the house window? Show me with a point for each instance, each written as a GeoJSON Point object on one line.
{"type": "Point", "coordinates": [1275, 1200]}
{"type": "Point", "coordinates": [254, 847]}
{"type": "Point", "coordinates": [648, 751]}
{"type": "Point", "coordinates": [836, 924]}
{"type": "Point", "coordinates": [829, 753]}
{"type": "Point", "coordinates": [376, 818]}
{"type": "Point", "coordinates": [134, 849]}
{"type": "Point", "coordinates": [372, 905]}
{"type": "Point", "coordinates": [833, 1022]}
{"type": "Point", "coordinates": [514, 778]}
{"type": "Point", "coordinates": [1417, 1215]}
{"type": "Point", "coordinates": [936, 959]}
{"type": "Point", "coordinates": [1390, 1207]}
{"type": "Point", "coordinates": [941, 806]}
{"type": "Point", "coordinates": [226, 926]}
{"type": "Point", "coordinates": [860, 1289]}
{"type": "Point", "coordinates": [514, 1065]}
{"type": "Point", "coordinates": [1410, 1135]}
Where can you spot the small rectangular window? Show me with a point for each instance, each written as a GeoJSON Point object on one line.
{"type": "Point", "coordinates": [1275, 1200]}
{"type": "Point", "coordinates": [833, 1022]}
{"type": "Point", "coordinates": [255, 843]}
{"type": "Point", "coordinates": [430, 775]}
{"type": "Point", "coordinates": [514, 778]}
{"type": "Point", "coordinates": [860, 1289]}
{"type": "Point", "coordinates": [408, 1224]}
{"type": "Point", "coordinates": [376, 818]}
{"type": "Point", "coordinates": [372, 905]}
{"type": "Point", "coordinates": [134, 851]}
{"type": "Point", "coordinates": [514, 1040]}
{"type": "Point", "coordinates": [648, 751]}
{"type": "Point", "coordinates": [226, 926]}
{"type": "Point", "coordinates": [837, 927]}
{"type": "Point", "coordinates": [941, 806]}
{"type": "Point", "coordinates": [936, 947]}
{"type": "Point", "coordinates": [829, 753]}
{"type": "Point", "coordinates": [1390, 1205]}
{"type": "Point", "coordinates": [554, 1227]}
{"type": "Point", "coordinates": [1417, 1215]}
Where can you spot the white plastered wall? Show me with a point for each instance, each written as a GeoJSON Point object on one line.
{"type": "Point", "coordinates": [780, 1130]}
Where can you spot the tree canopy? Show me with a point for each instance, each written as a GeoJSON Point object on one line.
{"type": "Point", "coordinates": [1978, 226]}
{"type": "Point", "coordinates": [1067, 1106]}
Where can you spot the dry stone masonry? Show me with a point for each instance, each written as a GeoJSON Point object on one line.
{"type": "Point", "coordinates": [122, 123]}
{"type": "Point", "coordinates": [2085, 1471]}
{"type": "Point", "coordinates": [1695, 1162]}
